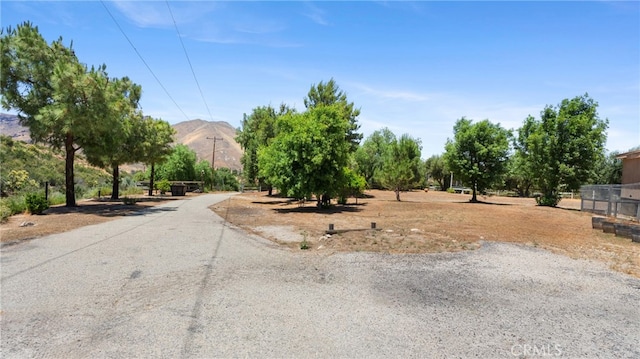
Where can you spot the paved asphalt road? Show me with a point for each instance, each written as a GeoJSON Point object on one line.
{"type": "Point", "coordinates": [177, 282]}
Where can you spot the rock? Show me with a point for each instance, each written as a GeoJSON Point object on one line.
{"type": "Point", "coordinates": [389, 230]}
{"type": "Point", "coordinates": [415, 230]}
{"type": "Point", "coordinates": [320, 247]}
{"type": "Point", "coordinates": [27, 224]}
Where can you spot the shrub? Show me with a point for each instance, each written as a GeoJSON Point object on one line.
{"type": "Point", "coordinates": [450, 190]}
{"type": "Point", "coordinates": [36, 203]}
{"type": "Point", "coordinates": [304, 245]}
{"type": "Point", "coordinates": [163, 186]}
{"type": "Point", "coordinates": [5, 212]}
{"type": "Point", "coordinates": [550, 200]}
{"type": "Point", "coordinates": [15, 204]}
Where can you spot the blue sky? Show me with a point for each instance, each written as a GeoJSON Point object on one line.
{"type": "Point", "coordinates": [414, 67]}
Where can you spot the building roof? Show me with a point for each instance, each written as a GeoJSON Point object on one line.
{"type": "Point", "coordinates": [629, 155]}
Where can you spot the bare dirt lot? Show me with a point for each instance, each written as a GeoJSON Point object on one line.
{"type": "Point", "coordinates": [425, 222]}
{"type": "Point", "coordinates": [421, 223]}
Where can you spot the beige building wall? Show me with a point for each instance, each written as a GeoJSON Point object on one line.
{"type": "Point", "coordinates": [630, 167]}
{"type": "Point", "coordinates": [630, 174]}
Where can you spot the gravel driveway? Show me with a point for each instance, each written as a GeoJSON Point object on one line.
{"type": "Point", "coordinates": [177, 282]}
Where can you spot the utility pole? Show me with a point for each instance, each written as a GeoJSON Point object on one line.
{"type": "Point", "coordinates": [213, 157]}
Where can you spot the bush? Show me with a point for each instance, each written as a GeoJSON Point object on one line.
{"type": "Point", "coordinates": [450, 190]}
{"type": "Point", "coordinates": [36, 203]}
{"type": "Point", "coordinates": [15, 204]}
{"type": "Point", "coordinates": [551, 200]}
{"type": "Point", "coordinates": [163, 186]}
{"type": "Point", "coordinates": [5, 212]}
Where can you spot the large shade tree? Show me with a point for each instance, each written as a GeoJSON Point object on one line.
{"type": "Point", "coordinates": [59, 99]}
{"type": "Point", "coordinates": [477, 154]}
{"type": "Point", "coordinates": [564, 146]}
{"type": "Point", "coordinates": [309, 153]}
{"type": "Point", "coordinates": [125, 141]}
{"type": "Point", "coordinates": [329, 93]}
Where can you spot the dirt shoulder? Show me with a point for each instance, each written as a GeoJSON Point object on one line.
{"type": "Point", "coordinates": [427, 222]}
{"type": "Point", "coordinates": [58, 219]}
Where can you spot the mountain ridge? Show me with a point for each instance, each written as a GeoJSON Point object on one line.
{"type": "Point", "coordinates": [197, 134]}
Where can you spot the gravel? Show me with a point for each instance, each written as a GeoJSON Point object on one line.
{"type": "Point", "coordinates": [179, 282]}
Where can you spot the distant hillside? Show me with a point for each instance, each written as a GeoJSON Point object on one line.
{"type": "Point", "coordinates": [9, 126]}
{"type": "Point", "coordinates": [194, 134]}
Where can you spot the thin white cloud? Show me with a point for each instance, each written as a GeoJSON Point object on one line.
{"type": "Point", "coordinates": [392, 94]}
{"type": "Point", "coordinates": [145, 14]}
{"type": "Point", "coordinates": [156, 14]}
{"type": "Point", "coordinates": [316, 14]}
{"type": "Point", "coordinates": [211, 22]}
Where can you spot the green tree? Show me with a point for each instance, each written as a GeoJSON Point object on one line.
{"type": "Point", "coordinates": [179, 166]}
{"type": "Point", "coordinates": [156, 147]}
{"type": "Point", "coordinates": [325, 94]}
{"type": "Point", "coordinates": [564, 146]}
{"type": "Point", "coordinates": [203, 173]}
{"type": "Point", "coordinates": [225, 180]}
{"type": "Point", "coordinates": [401, 165]}
{"type": "Point", "coordinates": [58, 98]}
{"type": "Point", "coordinates": [125, 141]}
{"type": "Point", "coordinates": [477, 154]}
{"type": "Point", "coordinates": [369, 156]}
{"type": "Point", "coordinates": [520, 172]}
{"type": "Point", "coordinates": [308, 154]}
{"type": "Point", "coordinates": [353, 186]}
{"type": "Point", "coordinates": [257, 130]}
{"type": "Point", "coordinates": [437, 169]}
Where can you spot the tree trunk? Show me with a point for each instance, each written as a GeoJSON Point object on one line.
{"type": "Point", "coordinates": [270, 190]}
{"type": "Point", "coordinates": [70, 191]}
{"type": "Point", "coordinates": [398, 194]}
{"type": "Point", "coordinates": [115, 190]}
{"type": "Point", "coordinates": [326, 200]}
{"type": "Point", "coordinates": [474, 198]}
{"type": "Point", "coordinates": [153, 173]}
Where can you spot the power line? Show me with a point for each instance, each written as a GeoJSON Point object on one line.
{"type": "Point", "coordinates": [143, 60]}
{"type": "Point", "coordinates": [189, 60]}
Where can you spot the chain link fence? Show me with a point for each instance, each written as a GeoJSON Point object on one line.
{"type": "Point", "coordinates": [620, 201]}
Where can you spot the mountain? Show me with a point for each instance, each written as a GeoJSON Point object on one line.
{"type": "Point", "coordinates": [9, 126]}
{"type": "Point", "coordinates": [199, 134]}
{"type": "Point", "coordinates": [195, 134]}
